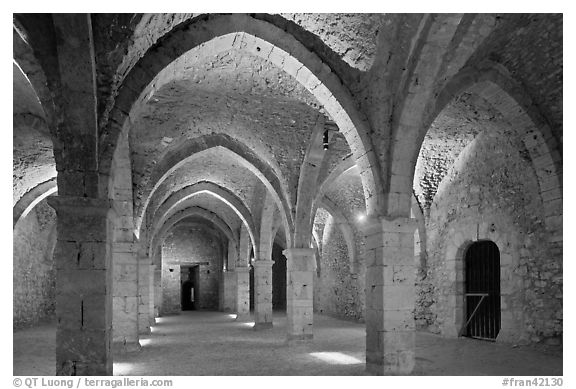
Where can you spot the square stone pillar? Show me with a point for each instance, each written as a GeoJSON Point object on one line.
{"type": "Point", "coordinates": [125, 297]}
{"type": "Point", "coordinates": [262, 294]}
{"type": "Point", "coordinates": [242, 293]}
{"type": "Point", "coordinates": [228, 297]}
{"type": "Point", "coordinates": [83, 285]}
{"type": "Point", "coordinates": [157, 292]}
{"type": "Point", "coordinates": [390, 296]}
{"type": "Point", "coordinates": [151, 292]}
{"type": "Point", "coordinates": [299, 292]}
{"type": "Point", "coordinates": [145, 294]}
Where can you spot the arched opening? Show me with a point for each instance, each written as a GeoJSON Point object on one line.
{"type": "Point", "coordinates": [192, 258]}
{"type": "Point", "coordinates": [482, 291]}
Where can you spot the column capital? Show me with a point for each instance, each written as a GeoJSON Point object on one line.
{"type": "Point", "coordinates": [263, 263]}
{"type": "Point", "coordinates": [299, 252]}
{"type": "Point", "coordinates": [82, 219]}
{"type": "Point", "coordinates": [242, 269]}
{"type": "Point", "coordinates": [83, 205]}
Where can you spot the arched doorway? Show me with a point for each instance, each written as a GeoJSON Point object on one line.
{"type": "Point", "coordinates": [482, 290]}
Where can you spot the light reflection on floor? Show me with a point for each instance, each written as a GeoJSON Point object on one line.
{"type": "Point", "coordinates": [144, 342]}
{"type": "Point", "coordinates": [121, 368]}
{"type": "Point", "coordinates": [336, 358]}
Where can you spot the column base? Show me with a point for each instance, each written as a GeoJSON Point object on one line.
{"type": "Point", "coordinates": [262, 326]}
{"type": "Point", "coordinates": [402, 364]}
{"type": "Point", "coordinates": [299, 338]}
{"type": "Point", "coordinates": [123, 348]}
{"type": "Point", "coordinates": [77, 368]}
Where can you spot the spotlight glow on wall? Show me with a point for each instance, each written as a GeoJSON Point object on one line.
{"type": "Point", "coordinates": [249, 324]}
{"type": "Point", "coordinates": [361, 217]}
{"type": "Point", "coordinates": [336, 358]}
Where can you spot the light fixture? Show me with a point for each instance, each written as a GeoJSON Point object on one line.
{"type": "Point", "coordinates": [325, 141]}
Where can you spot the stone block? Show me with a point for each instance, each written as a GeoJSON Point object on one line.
{"type": "Point", "coordinates": [66, 255]}
{"type": "Point", "coordinates": [82, 282]}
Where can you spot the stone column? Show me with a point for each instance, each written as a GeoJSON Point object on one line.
{"type": "Point", "coordinates": [125, 298]}
{"type": "Point", "coordinates": [390, 295]}
{"type": "Point", "coordinates": [242, 293]}
{"type": "Point", "coordinates": [299, 292]}
{"type": "Point", "coordinates": [83, 286]}
{"type": "Point", "coordinates": [262, 294]}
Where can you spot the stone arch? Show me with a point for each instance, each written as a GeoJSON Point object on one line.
{"type": "Point", "coordinates": [266, 240]}
{"type": "Point", "coordinates": [25, 59]}
{"type": "Point", "coordinates": [443, 44]}
{"type": "Point", "coordinates": [492, 82]}
{"type": "Point", "coordinates": [228, 198]}
{"type": "Point", "coordinates": [235, 151]}
{"type": "Point", "coordinates": [120, 192]}
{"type": "Point", "coordinates": [419, 234]}
{"type": "Point", "coordinates": [32, 198]}
{"type": "Point", "coordinates": [201, 213]}
{"type": "Point", "coordinates": [347, 164]}
{"type": "Point", "coordinates": [308, 185]}
{"type": "Point", "coordinates": [260, 38]}
{"type": "Point", "coordinates": [36, 123]}
{"type": "Point", "coordinates": [511, 316]}
{"type": "Point", "coordinates": [36, 164]}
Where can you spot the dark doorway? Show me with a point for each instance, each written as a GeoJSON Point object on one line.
{"type": "Point", "coordinates": [278, 279]}
{"type": "Point", "coordinates": [482, 290]}
{"type": "Point", "coordinates": [189, 277]}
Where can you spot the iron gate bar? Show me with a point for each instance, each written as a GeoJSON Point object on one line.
{"type": "Point", "coordinates": [483, 295]}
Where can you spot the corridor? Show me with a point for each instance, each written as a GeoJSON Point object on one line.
{"type": "Point", "coordinates": [213, 343]}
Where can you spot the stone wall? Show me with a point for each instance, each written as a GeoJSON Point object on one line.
{"type": "Point", "coordinates": [171, 289]}
{"type": "Point", "coordinates": [182, 246]}
{"type": "Point", "coordinates": [492, 193]}
{"type": "Point", "coordinates": [337, 291]}
{"type": "Point", "coordinates": [34, 279]}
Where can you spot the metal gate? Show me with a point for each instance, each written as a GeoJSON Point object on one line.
{"type": "Point", "coordinates": [482, 291]}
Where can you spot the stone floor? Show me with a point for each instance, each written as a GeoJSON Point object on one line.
{"type": "Point", "coordinates": [212, 343]}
